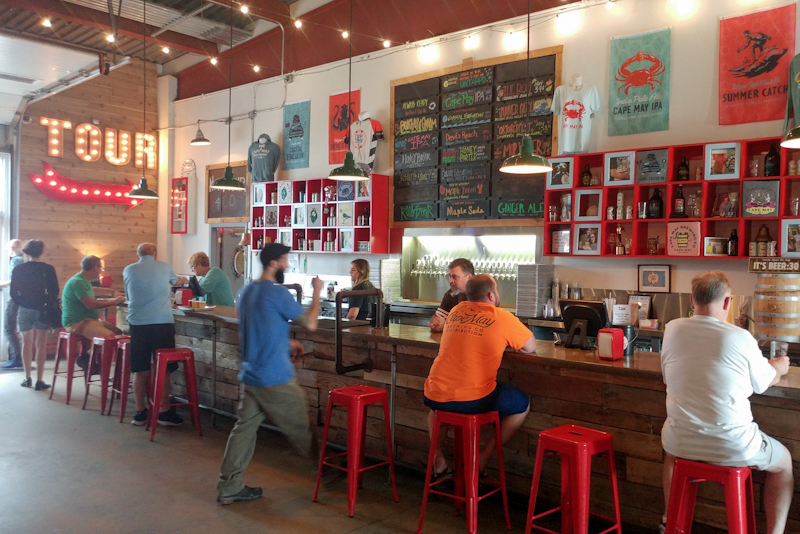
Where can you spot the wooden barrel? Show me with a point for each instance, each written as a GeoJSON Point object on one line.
{"type": "Point", "coordinates": [776, 307]}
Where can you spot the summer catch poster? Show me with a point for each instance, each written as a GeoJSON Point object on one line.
{"type": "Point", "coordinates": [754, 55]}
{"type": "Point", "coordinates": [638, 86]}
{"type": "Point", "coordinates": [341, 114]}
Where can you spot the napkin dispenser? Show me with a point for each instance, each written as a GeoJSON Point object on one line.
{"type": "Point", "coordinates": [610, 344]}
{"type": "Point", "coordinates": [183, 296]}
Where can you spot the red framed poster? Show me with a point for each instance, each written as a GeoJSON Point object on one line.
{"type": "Point", "coordinates": [342, 112]}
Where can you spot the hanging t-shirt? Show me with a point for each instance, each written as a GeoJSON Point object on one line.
{"type": "Point", "coordinates": [364, 137]}
{"type": "Point", "coordinates": [263, 159]}
{"type": "Point", "coordinates": [793, 102]}
{"type": "Point", "coordinates": [574, 110]}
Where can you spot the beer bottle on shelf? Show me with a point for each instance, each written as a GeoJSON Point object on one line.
{"type": "Point", "coordinates": [772, 161]}
{"type": "Point", "coordinates": [683, 170]}
{"type": "Point", "coordinates": [679, 204]}
{"type": "Point", "coordinates": [655, 206]}
{"type": "Point", "coordinates": [733, 243]}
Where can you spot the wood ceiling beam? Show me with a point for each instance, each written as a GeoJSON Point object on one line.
{"type": "Point", "coordinates": [126, 27]}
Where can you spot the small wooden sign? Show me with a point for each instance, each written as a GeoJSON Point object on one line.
{"type": "Point", "coordinates": [420, 141]}
{"type": "Point", "coordinates": [419, 106]}
{"type": "Point", "coordinates": [416, 178]}
{"type": "Point", "coordinates": [774, 265]}
{"type": "Point", "coordinates": [415, 125]}
{"type": "Point", "coordinates": [466, 209]}
{"type": "Point", "coordinates": [464, 190]}
{"type": "Point", "coordinates": [466, 154]}
{"type": "Point", "coordinates": [467, 78]}
{"type": "Point", "coordinates": [415, 160]}
{"type": "Point", "coordinates": [460, 174]}
{"type": "Point", "coordinates": [480, 133]}
{"type": "Point", "coordinates": [467, 116]}
{"type": "Point", "coordinates": [416, 212]}
{"type": "Point", "coordinates": [470, 97]}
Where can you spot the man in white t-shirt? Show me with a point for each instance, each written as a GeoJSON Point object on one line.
{"type": "Point", "coordinates": [711, 368]}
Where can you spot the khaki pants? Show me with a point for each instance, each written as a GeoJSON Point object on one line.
{"type": "Point", "coordinates": [90, 328]}
{"type": "Point", "coordinates": [286, 406]}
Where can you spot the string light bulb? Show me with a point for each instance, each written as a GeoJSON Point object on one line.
{"type": "Point", "coordinates": [387, 43]}
{"type": "Point", "coordinates": [298, 23]}
{"type": "Point", "coordinates": [213, 61]}
{"type": "Point", "coordinates": [609, 4]}
{"type": "Point", "coordinates": [165, 50]}
{"type": "Point", "coordinates": [244, 9]}
{"type": "Point", "coordinates": [256, 68]}
{"type": "Point", "coordinates": [109, 38]}
{"type": "Point", "coordinates": [345, 35]}
{"type": "Point", "coordinates": [46, 23]}
{"type": "Point", "coordinates": [472, 42]}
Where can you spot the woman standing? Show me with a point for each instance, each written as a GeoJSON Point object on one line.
{"type": "Point", "coordinates": [360, 306]}
{"type": "Point", "coordinates": [34, 286]}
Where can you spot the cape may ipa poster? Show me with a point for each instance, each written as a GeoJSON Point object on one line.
{"type": "Point", "coordinates": [638, 86]}
{"type": "Point", "coordinates": [754, 55]}
{"type": "Point", "coordinates": [341, 114]}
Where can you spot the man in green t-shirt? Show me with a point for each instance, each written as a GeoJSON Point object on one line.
{"type": "Point", "coordinates": [214, 282]}
{"type": "Point", "coordinates": [80, 308]}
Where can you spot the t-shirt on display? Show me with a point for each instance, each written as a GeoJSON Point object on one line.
{"type": "Point", "coordinates": [473, 341]}
{"type": "Point", "coordinates": [574, 109]}
{"type": "Point", "coordinates": [711, 369]}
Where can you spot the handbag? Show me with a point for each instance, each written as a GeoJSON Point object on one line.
{"type": "Point", "coordinates": [51, 314]}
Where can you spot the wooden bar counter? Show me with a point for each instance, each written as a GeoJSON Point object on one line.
{"type": "Point", "coordinates": [566, 386]}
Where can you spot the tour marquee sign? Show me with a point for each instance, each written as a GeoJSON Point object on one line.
{"type": "Point", "coordinates": [118, 147]}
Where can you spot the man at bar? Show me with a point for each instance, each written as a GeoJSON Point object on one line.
{"type": "Point", "coordinates": [148, 286]}
{"type": "Point", "coordinates": [80, 313]}
{"type": "Point", "coordinates": [711, 368]}
{"type": "Point", "coordinates": [267, 375]}
{"type": "Point", "coordinates": [10, 326]}
{"type": "Point", "coordinates": [463, 377]}
{"type": "Point", "coordinates": [213, 281]}
{"type": "Point", "coordinates": [461, 270]}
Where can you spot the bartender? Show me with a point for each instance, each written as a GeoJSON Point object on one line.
{"type": "Point", "coordinates": [360, 306]}
{"type": "Point", "coordinates": [213, 281]}
{"type": "Point", "coordinates": [461, 271]}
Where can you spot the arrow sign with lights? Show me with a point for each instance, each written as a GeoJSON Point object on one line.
{"type": "Point", "coordinates": [66, 189]}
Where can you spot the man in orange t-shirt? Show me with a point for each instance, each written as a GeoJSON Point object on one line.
{"type": "Point", "coordinates": [463, 377]}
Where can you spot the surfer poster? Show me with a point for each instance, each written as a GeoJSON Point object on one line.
{"type": "Point", "coordinates": [754, 55]}
{"type": "Point", "coordinates": [296, 123]}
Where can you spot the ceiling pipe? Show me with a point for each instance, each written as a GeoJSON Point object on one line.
{"type": "Point", "coordinates": [179, 20]}
{"type": "Point", "coordinates": [80, 77]}
{"type": "Point", "coordinates": [111, 16]}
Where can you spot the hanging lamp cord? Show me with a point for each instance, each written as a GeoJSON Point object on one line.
{"type": "Point", "coordinates": [144, 87]}
{"type": "Point", "coordinates": [350, 70]}
{"type": "Point", "coordinates": [230, 88]}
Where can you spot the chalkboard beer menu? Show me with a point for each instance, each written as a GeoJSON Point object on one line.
{"type": "Point", "coordinates": [452, 132]}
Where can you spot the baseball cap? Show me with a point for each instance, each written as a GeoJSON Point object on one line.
{"type": "Point", "coordinates": [273, 251]}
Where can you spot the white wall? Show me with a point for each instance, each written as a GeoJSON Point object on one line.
{"type": "Point", "coordinates": [693, 116]}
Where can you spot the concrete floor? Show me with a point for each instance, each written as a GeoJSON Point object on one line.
{"type": "Point", "coordinates": [66, 470]}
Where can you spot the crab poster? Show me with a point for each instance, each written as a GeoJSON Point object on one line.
{"type": "Point", "coordinates": [296, 122]}
{"type": "Point", "coordinates": [638, 86]}
{"type": "Point", "coordinates": [343, 110]}
{"type": "Point", "coordinates": [754, 55]}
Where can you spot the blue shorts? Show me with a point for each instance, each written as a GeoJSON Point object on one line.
{"type": "Point", "coordinates": [505, 399]}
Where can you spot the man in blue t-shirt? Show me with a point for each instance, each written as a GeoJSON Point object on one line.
{"type": "Point", "coordinates": [269, 384]}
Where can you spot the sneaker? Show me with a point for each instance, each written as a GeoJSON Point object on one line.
{"type": "Point", "coordinates": [40, 386]}
{"type": "Point", "coordinates": [13, 364]}
{"type": "Point", "coordinates": [140, 419]}
{"type": "Point", "coordinates": [247, 494]}
{"type": "Point", "coordinates": [82, 361]}
{"type": "Point", "coordinates": [27, 383]}
{"type": "Point", "coordinates": [170, 418]}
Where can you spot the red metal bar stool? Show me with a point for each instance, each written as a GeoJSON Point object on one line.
{"type": "Point", "coordinates": [103, 349]}
{"type": "Point", "coordinates": [465, 477]}
{"type": "Point", "coordinates": [68, 349]}
{"type": "Point", "coordinates": [163, 357]}
{"type": "Point", "coordinates": [738, 484]}
{"type": "Point", "coordinates": [121, 381]}
{"type": "Point", "coordinates": [576, 445]}
{"type": "Point", "coordinates": [356, 399]}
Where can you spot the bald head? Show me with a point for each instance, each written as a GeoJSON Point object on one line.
{"type": "Point", "coordinates": [146, 249]}
{"type": "Point", "coordinates": [483, 288]}
{"type": "Point", "coordinates": [15, 247]}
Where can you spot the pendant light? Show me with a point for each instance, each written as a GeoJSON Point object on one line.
{"type": "Point", "coordinates": [349, 171]}
{"type": "Point", "coordinates": [142, 192]}
{"type": "Point", "coordinates": [526, 162]}
{"type": "Point", "coordinates": [792, 138]}
{"type": "Point", "coordinates": [228, 182]}
{"type": "Point", "coordinates": [199, 138]}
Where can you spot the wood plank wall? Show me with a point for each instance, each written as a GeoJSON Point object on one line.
{"type": "Point", "coordinates": [71, 231]}
{"type": "Point", "coordinates": [631, 409]}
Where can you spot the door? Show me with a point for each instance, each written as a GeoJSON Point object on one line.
{"type": "Point", "coordinates": [228, 255]}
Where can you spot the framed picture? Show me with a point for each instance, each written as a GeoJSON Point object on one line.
{"type": "Point", "coordinates": [561, 177]}
{"type": "Point", "coordinates": [314, 215]}
{"type": "Point", "coordinates": [654, 278]}
{"type": "Point", "coordinates": [588, 240]}
{"type": "Point", "coordinates": [790, 238]}
{"type": "Point", "coordinates": [285, 237]}
{"type": "Point", "coordinates": [284, 192]}
{"type": "Point", "coordinates": [588, 205]}
{"type": "Point", "coordinates": [559, 242]}
{"type": "Point", "coordinates": [760, 198]}
{"type": "Point", "coordinates": [643, 301]}
{"type": "Point", "coordinates": [259, 194]}
{"type": "Point", "coordinates": [346, 240]}
{"type": "Point", "coordinates": [651, 166]}
{"type": "Point", "coordinates": [722, 161]}
{"type": "Point", "coordinates": [619, 168]}
{"type": "Point", "coordinates": [346, 190]}
{"type": "Point", "coordinates": [344, 214]}
{"type": "Point", "coordinates": [715, 246]}
{"type": "Point", "coordinates": [363, 189]}
{"type": "Point", "coordinates": [299, 215]}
